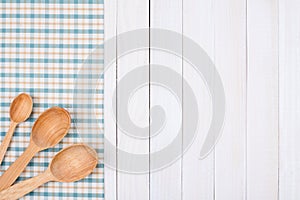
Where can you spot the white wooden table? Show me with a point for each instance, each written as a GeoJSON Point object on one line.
{"type": "Point", "coordinates": [255, 45]}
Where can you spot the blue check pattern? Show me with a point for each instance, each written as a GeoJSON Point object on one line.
{"type": "Point", "coordinates": [43, 46]}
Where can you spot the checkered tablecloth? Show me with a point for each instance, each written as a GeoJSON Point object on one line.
{"type": "Point", "coordinates": [43, 45]}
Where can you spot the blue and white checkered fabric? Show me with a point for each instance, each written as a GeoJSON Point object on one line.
{"type": "Point", "coordinates": [43, 45]}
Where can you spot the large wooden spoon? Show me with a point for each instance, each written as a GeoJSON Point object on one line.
{"type": "Point", "coordinates": [51, 126]}
{"type": "Point", "coordinates": [20, 110]}
{"type": "Point", "coordinates": [71, 164]}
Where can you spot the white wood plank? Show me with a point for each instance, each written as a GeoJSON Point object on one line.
{"type": "Point", "coordinates": [165, 183]}
{"type": "Point", "coordinates": [262, 100]}
{"type": "Point", "coordinates": [110, 182]}
{"type": "Point", "coordinates": [289, 45]}
{"type": "Point", "coordinates": [133, 15]}
{"type": "Point", "coordinates": [198, 175]}
{"type": "Point", "coordinates": [230, 60]}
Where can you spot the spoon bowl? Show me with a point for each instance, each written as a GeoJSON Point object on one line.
{"type": "Point", "coordinates": [70, 164]}
{"type": "Point", "coordinates": [50, 127]}
{"type": "Point", "coordinates": [73, 163]}
{"type": "Point", "coordinates": [21, 108]}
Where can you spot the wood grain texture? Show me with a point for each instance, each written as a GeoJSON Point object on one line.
{"type": "Point", "coordinates": [166, 15]}
{"type": "Point", "coordinates": [110, 133]}
{"type": "Point", "coordinates": [198, 175]}
{"type": "Point", "coordinates": [49, 129]}
{"type": "Point", "coordinates": [6, 140]}
{"type": "Point", "coordinates": [230, 61]}
{"type": "Point", "coordinates": [71, 164]}
{"type": "Point", "coordinates": [132, 15]}
{"type": "Point", "coordinates": [289, 85]}
{"type": "Point", "coordinates": [21, 189]}
{"type": "Point", "coordinates": [262, 100]}
{"type": "Point", "coordinates": [20, 110]}
{"type": "Point", "coordinates": [14, 171]}
{"type": "Point", "coordinates": [241, 37]}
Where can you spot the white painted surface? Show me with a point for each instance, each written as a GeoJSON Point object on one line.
{"type": "Point", "coordinates": [110, 22]}
{"type": "Point", "coordinates": [230, 59]}
{"type": "Point", "coordinates": [262, 100]}
{"type": "Point", "coordinates": [166, 15]}
{"type": "Point", "coordinates": [289, 85]}
{"type": "Point", "coordinates": [198, 175]}
{"type": "Point", "coordinates": [255, 46]}
{"type": "Point", "coordinates": [132, 15]}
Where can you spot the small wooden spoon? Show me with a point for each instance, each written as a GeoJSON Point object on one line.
{"type": "Point", "coordinates": [51, 126]}
{"type": "Point", "coordinates": [20, 110]}
{"type": "Point", "coordinates": [71, 164]}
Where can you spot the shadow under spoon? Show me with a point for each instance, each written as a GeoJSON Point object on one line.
{"type": "Point", "coordinates": [50, 127]}
{"type": "Point", "coordinates": [70, 164]}
{"type": "Point", "coordinates": [20, 110]}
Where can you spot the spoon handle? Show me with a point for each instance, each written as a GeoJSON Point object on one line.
{"type": "Point", "coordinates": [6, 140]}
{"type": "Point", "coordinates": [14, 171]}
{"type": "Point", "coordinates": [20, 189]}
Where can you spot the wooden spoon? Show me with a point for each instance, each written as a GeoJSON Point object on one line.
{"type": "Point", "coordinates": [71, 164]}
{"type": "Point", "coordinates": [51, 126]}
{"type": "Point", "coordinates": [20, 110]}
